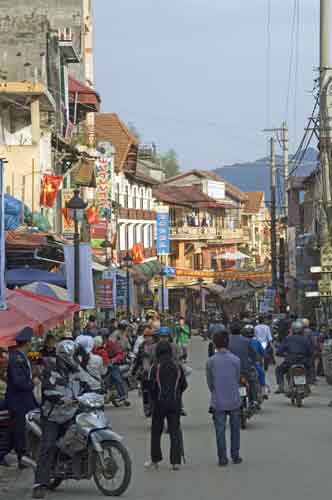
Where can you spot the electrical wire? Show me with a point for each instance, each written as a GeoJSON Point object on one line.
{"type": "Point", "coordinates": [291, 58]}
{"type": "Point", "coordinates": [268, 64]}
{"type": "Point", "coordinates": [296, 69]}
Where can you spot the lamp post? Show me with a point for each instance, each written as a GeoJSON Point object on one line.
{"type": "Point", "coordinates": [76, 207]}
{"type": "Point", "coordinates": [107, 246]}
{"type": "Point", "coordinates": [200, 281]}
{"type": "Point", "coordinates": [162, 276]}
{"type": "Point", "coordinates": [128, 262]}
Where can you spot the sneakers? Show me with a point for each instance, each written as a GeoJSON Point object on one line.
{"type": "Point", "coordinates": [39, 492]}
{"type": "Point", "coordinates": [175, 467]}
{"type": "Point", "coordinates": [223, 463]}
{"type": "Point", "coordinates": [237, 461]}
{"type": "Point", "coordinates": [151, 465]}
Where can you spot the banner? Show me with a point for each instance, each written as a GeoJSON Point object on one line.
{"type": "Point", "coordinates": [67, 223]}
{"type": "Point", "coordinates": [87, 297]}
{"type": "Point", "coordinates": [104, 172]}
{"type": "Point", "coordinates": [104, 293]}
{"type": "Point", "coordinates": [50, 185]}
{"type": "Point", "coordinates": [163, 242]}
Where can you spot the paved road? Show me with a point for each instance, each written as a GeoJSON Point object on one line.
{"type": "Point", "coordinates": [286, 451]}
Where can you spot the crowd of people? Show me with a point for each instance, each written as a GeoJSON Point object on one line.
{"type": "Point", "coordinates": [157, 358]}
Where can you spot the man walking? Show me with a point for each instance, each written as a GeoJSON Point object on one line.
{"type": "Point", "coordinates": [223, 378]}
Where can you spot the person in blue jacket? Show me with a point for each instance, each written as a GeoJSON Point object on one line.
{"type": "Point", "coordinates": [20, 397]}
{"type": "Point", "coordinates": [249, 332]}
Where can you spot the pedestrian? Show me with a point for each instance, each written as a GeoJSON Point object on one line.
{"type": "Point", "coordinates": [91, 364]}
{"type": "Point", "coordinates": [20, 389]}
{"type": "Point", "coordinates": [6, 421]}
{"type": "Point", "coordinates": [223, 378]}
{"type": "Point", "coordinates": [182, 335]}
{"type": "Point", "coordinates": [142, 367]}
{"type": "Point", "coordinates": [167, 384]}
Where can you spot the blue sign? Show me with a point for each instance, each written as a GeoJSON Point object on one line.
{"type": "Point", "coordinates": [163, 245]}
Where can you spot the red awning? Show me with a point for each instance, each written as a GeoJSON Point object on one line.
{"type": "Point", "coordinates": [25, 308]}
{"type": "Point", "coordinates": [83, 94]}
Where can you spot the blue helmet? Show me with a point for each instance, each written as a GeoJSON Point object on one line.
{"type": "Point", "coordinates": [163, 331]}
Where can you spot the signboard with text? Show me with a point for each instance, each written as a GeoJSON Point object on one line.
{"type": "Point", "coordinates": [104, 293]}
{"type": "Point", "coordinates": [163, 242]}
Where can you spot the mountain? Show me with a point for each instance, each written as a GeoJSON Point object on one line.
{"type": "Point", "coordinates": [255, 176]}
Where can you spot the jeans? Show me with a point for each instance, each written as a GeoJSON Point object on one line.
{"type": "Point", "coordinates": [51, 431]}
{"type": "Point", "coordinates": [220, 419]}
{"type": "Point", "coordinates": [116, 379]}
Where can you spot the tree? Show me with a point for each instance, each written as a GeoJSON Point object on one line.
{"type": "Point", "coordinates": [169, 163]}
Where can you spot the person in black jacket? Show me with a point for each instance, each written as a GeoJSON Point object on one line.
{"type": "Point", "coordinates": [167, 384]}
{"type": "Point", "coordinates": [20, 397]}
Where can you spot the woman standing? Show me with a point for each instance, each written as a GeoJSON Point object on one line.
{"type": "Point", "coordinates": [167, 384]}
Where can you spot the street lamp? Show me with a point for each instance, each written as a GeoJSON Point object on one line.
{"type": "Point", "coordinates": [76, 208]}
{"type": "Point", "coordinates": [200, 281]}
{"type": "Point", "coordinates": [127, 263]}
{"type": "Point", "coordinates": [107, 246]}
{"type": "Point", "coordinates": [162, 276]}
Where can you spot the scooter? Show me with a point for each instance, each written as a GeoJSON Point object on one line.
{"type": "Point", "coordinates": [298, 387]}
{"type": "Point", "coordinates": [246, 411]}
{"type": "Point", "coordinates": [89, 449]}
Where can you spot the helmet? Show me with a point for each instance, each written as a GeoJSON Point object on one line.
{"type": "Point", "coordinates": [66, 352]}
{"type": "Point", "coordinates": [163, 331]}
{"type": "Point", "coordinates": [217, 328]}
{"type": "Point", "coordinates": [123, 324]}
{"type": "Point", "coordinates": [297, 327]}
{"type": "Point", "coordinates": [248, 331]}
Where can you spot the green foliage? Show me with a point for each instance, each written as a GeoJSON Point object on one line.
{"type": "Point", "coordinates": [169, 163]}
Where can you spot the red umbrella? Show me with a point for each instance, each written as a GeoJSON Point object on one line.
{"type": "Point", "coordinates": [25, 308]}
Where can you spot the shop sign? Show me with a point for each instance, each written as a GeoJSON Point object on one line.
{"type": "Point", "coordinates": [163, 242]}
{"type": "Point", "coordinates": [326, 258]}
{"type": "Point", "coordinates": [325, 288]}
{"type": "Point", "coordinates": [104, 293]}
{"type": "Point", "coordinates": [68, 228]}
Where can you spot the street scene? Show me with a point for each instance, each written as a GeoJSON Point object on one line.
{"type": "Point", "coordinates": [165, 249]}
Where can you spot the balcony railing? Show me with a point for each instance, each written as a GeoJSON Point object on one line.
{"type": "Point", "coordinates": [136, 214]}
{"type": "Point", "coordinates": [193, 232]}
{"type": "Point", "coordinates": [232, 235]}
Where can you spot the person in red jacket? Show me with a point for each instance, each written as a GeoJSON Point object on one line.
{"type": "Point", "coordinates": [99, 349]}
{"type": "Point", "coordinates": [116, 358]}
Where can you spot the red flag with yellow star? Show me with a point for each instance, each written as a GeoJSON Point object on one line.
{"type": "Point", "coordinates": [49, 187]}
{"type": "Point", "coordinates": [137, 253]}
{"type": "Point", "coordinates": [92, 215]}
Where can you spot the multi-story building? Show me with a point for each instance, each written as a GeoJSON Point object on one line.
{"type": "Point", "coordinates": [132, 190]}
{"type": "Point", "coordinates": [256, 228]}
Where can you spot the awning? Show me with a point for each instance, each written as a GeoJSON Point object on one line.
{"type": "Point", "coordinates": [147, 270]}
{"type": "Point", "coordinates": [233, 256]}
{"type": "Point", "coordinates": [83, 95]}
{"type": "Point", "coordinates": [232, 291]}
{"type": "Point", "coordinates": [25, 308]}
{"type": "Point", "coordinates": [25, 275]}
{"type": "Point", "coordinates": [83, 174]}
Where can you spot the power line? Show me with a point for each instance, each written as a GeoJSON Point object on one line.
{"type": "Point", "coordinates": [291, 57]}
{"type": "Point", "coordinates": [268, 64]}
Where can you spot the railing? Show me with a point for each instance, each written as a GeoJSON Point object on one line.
{"type": "Point", "coordinates": [137, 214]}
{"type": "Point", "coordinates": [232, 235]}
{"type": "Point", "coordinates": [246, 234]}
{"type": "Point", "coordinates": [193, 232]}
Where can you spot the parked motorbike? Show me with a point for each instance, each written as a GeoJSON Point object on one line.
{"type": "Point", "coordinates": [89, 449]}
{"type": "Point", "coordinates": [298, 387]}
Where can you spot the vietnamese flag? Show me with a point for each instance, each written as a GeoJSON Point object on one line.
{"type": "Point", "coordinates": [67, 219]}
{"type": "Point", "coordinates": [137, 253]}
{"type": "Point", "coordinates": [49, 187]}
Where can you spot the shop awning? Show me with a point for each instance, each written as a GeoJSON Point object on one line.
{"type": "Point", "coordinates": [232, 291]}
{"type": "Point", "coordinates": [25, 275]}
{"type": "Point", "coordinates": [80, 93]}
{"type": "Point", "coordinates": [233, 256]}
{"type": "Point", "coordinates": [25, 308]}
{"type": "Point", "coordinates": [147, 270]}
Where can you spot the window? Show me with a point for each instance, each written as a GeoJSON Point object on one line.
{"type": "Point", "coordinates": [134, 198]}
{"type": "Point", "coordinates": [142, 235]}
{"type": "Point", "coordinates": [197, 262]}
{"type": "Point", "coordinates": [134, 234]}
{"type": "Point", "coordinates": [117, 193]}
{"type": "Point", "coordinates": [127, 236]}
{"type": "Point", "coordinates": [126, 197]}
{"type": "Point", "coordinates": [142, 199]}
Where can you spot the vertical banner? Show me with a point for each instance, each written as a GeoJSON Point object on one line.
{"type": "Point", "coordinates": [2, 239]}
{"type": "Point", "coordinates": [104, 293]}
{"type": "Point", "coordinates": [160, 298]}
{"type": "Point", "coordinates": [87, 296]}
{"type": "Point", "coordinates": [163, 243]}
{"type": "Point", "coordinates": [104, 173]}
{"type": "Point", "coordinates": [67, 223]}
{"type": "Point", "coordinates": [121, 291]}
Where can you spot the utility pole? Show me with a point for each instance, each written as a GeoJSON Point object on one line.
{"type": "Point", "coordinates": [273, 215]}
{"type": "Point", "coordinates": [325, 113]}
{"type": "Point", "coordinates": [285, 144]}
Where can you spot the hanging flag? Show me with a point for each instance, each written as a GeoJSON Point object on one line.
{"type": "Point", "coordinates": [92, 215]}
{"type": "Point", "coordinates": [49, 187]}
{"type": "Point", "coordinates": [66, 217]}
{"type": "Point", "coordinates": [137, 253]}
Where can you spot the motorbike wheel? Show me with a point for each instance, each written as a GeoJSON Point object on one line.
{"type": "Point", "coordinates": [299, 401]}
{"type": "Point", "coordinates": [243, 421]}
{"type": "Point", "coordinates": [104, 478]}
{"type": "Point", "coordinates": [54, 483]}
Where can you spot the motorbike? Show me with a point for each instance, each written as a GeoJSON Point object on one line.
{"type": "Point", "coordinates": [89, 449]}
{"type": "Point", "coordinates": [246, 411]}
{"type": "Point", "coordinates": [298, 387]}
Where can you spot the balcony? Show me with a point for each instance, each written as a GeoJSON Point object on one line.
{"type": "Point", "coordinates": [67, 45]}
{"type": "Point", "coordinates": [232, 236]}
{"type": "Point", "coordinates": [137, 214]}
{"type": "Point", "coordinates": [246, 235]}
{"type": "Point", "coordinates": [193, 233]}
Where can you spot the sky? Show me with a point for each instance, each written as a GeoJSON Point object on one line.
{"type": "Point", "coordinates": [193, 75]}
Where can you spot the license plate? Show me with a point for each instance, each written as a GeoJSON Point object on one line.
{"type": "Point", "coordinates": [243, 392]}
{"type": "Point", "coordinates": [300, 380]}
